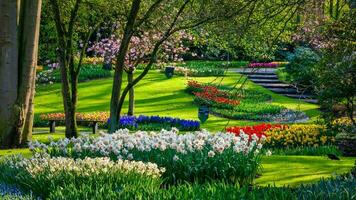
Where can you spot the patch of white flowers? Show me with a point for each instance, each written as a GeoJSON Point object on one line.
{"type": "Point", "coordinates": [122, 143]}
{"type": "Point", "coordinates": [84, 167]}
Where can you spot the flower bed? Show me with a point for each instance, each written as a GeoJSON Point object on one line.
{"type": "Point", "coordinates": [40, 176]}
{"type": "Point", "coordinates": [199, 71]}
{"type": "Point", "coordinates": [141, 122]}
{"type": "Point", "coordinates": [266, 64]}
{"type": "Point", "coordinates": [192, 157]}
{"type": "Point", "coordinates": [211, 96]}
{"type": "Point", "coordinates": [263, 65]}
{"type": "Point", "coordinates": [241, 105]}
{"type": "Point", "coordinates": [299, 135]}
{"type": "Point", "coordinates": [288, 136]}
{"type": "Point", "coordinates": [259, 129]}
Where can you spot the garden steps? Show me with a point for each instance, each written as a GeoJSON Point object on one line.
{"type": "Point", "coordinates": [275, 85]}
{"type": "Point", "coordinates": [258, 73]}
{"type": "Point", "coordinates": [259, 81]}
{"type": "Point", "coordinates": [262, 76]}
{"type": "Point", "coordinates": [267, 78]}
{"type": "Point", "coordinates": [306, 98]}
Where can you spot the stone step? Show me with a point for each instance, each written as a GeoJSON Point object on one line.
{"type": "Point", "coordinates": [260, 81]}
{"type": "Point", "coordinates": [306, 98]}
{"type": "Point", "coordinates": [314, 101]}
{"type": "Point", "coordinates": [258, 73]}
{"type": "Point", "coordinates": [299, 96]}
{"type": "Point", "coordinates": [275, 85]}
{"type": "Point", "coordinates": [284, 90]}
{"type": "Point", "coordinates": [263, 77]}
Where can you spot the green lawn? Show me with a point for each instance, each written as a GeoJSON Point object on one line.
{"type": "Point", "coordinates": [294, 170]}
{"type": "Point", "coordinates": [156, 95]}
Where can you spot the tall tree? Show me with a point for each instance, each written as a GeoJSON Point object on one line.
{"type": "Point", "coordinates": [76, 21]}
{"type": "Point", "coordinates": [18, 59]}
{"type": "Point", "coordinates": [170, 16]}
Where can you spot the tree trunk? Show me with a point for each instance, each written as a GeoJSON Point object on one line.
{"type": "Point", "coordinates": [8, 69]}
{"type": "Point", "coordinates": [29, 32]}
{"type": "Point", "coordinates": [18, 58]}
{"type": "Point", "coordinates": [115, 110]}
{"type": "Point", "coordinates": [130, 111]}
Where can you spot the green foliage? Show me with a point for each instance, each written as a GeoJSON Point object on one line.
{"type": "Point", "coordinates": [88, 72]}
{"type": "Point", "coordinates": [338, 189]}
{"type": "Point", "coordinates": [301, 67]}
{"type": "Point", "coordinates": [336, 72]}
{"type": "Point", "coordinates": [67, 181]}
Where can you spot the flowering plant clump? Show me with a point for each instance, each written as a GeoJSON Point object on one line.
{"type": "Point", "coordinates": [298, 135]}
{"type": "Point", "coordinates": [133, 122]}
{"type": "Point", "coordinates": [157, 122]}
{"type": "Point", "coordinates": [211, 95]}
{"type": "Point", "coordinates": [46, 76]}
{"type": "Point", "coordinates": [201, 71]}
{"type": "Point", "coordinates": [40, 175]}
{"type": "Point", "coordinates": [198, 156]}
{"type": "Point", "coordinates": [85, 167]}
{"type": "Point", "coordinates": [259, 130]}
{"type": "Point", "coordinates": [264, 65]}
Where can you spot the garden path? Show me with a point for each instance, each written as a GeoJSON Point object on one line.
{"type": "Point", "coordinates": [268, 78]}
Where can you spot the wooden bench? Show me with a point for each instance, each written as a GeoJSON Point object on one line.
{"type": "Point", "coordinates": [52, 124]}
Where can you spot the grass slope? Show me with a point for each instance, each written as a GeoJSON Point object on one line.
{"type": "Point", "coordinates": [156, 95]}
{"type": "Point", "coordinates": [294, 170]}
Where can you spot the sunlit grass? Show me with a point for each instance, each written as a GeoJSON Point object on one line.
{"type": "Point", "coordinates": [157, 95]}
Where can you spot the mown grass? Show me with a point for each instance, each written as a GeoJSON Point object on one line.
{"type": "Point", "coordinates": [294, 170]}
{"type": "Point", "coordinates": [157, 95]}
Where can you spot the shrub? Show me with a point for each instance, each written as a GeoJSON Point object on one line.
{"type": "Point", "coordinates": [41, 175]}
{"type": "Point", "coordinates": [346, 142]}
{"type": "Point", "coordinates": [197, 157]}
{"type": "Point", "coordinates": [301, 67]}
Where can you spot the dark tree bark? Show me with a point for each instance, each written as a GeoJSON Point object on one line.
{"type": "Point", "coordinates": [18, 58]}
{"type": "Point", "coordinates": [115, 111]}
{"type": "Point", "coordinates": [130, 77]}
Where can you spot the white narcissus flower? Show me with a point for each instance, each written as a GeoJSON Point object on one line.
{"type": "Point", "coordinates": [86, 167]}
{"type": "Point", "coordinates": [175, 158]}
{"type": "Point", "coordinates": [123, 142]}
{"type": "Point", "coordinates": [211, 154]}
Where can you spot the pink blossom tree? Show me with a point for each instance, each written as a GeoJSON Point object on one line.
{"type": "Point", "coordinates": [138, 53]}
